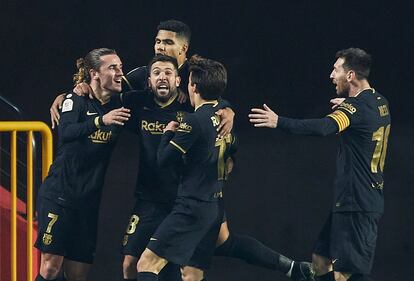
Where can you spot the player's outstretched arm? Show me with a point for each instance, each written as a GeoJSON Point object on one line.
{"type": "Point", "coordinates": [265, 117]}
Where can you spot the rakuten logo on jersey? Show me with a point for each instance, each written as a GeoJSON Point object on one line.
{"type": "Point", "coordinates": [155, 128]}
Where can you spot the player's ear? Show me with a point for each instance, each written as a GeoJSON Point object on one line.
{"type": "Point", "coordinates": [177, 81]}
{"type": "Point", "coordinates": [93, 74]}
{"type": "Point", "coordinates": [149, 82]}
{"type": "Point", "coordinates": [184, 47]}
{"type": "Point", "coordinates": [350, 75]}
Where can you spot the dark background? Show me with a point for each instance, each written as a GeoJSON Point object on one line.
{"type": "Point", "coordinates": [278, 52]}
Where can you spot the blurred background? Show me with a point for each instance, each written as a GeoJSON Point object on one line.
{"type": "Point", "coordinates": [276, 52]}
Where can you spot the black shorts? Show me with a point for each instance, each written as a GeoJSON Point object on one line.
{"type": "Point", "coordinates": [144, 220]}
{"type": "Point", "coordinates": [66, 232]}
{"type": "Point", "coordinates": [188, 235]}
{"type": "Point", "coordinates": [349, 240]}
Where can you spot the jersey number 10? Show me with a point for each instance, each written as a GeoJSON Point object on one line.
{"type": "Point", "coordinates": [380, 136]}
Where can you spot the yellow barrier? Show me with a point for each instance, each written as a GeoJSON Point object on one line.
{"type": "Point", "coordinates": [47, 156]}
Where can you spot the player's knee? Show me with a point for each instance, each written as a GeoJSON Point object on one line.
{"type": "Point", "coordinates": [191, 274]}
{"type": "Point", "coordinates": [321, 265]}
{"type": "Point", "coordinates": [50, 269]}
{"type": "Point", "coordinates": [129, 266]}
{"type": "Point", "coordinates": [150, 262]}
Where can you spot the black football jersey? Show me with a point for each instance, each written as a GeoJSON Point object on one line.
{"type": "Point", "coordinates": [154, 183]}
{"type": "Point", "coordinates": [364, 124]}
{"type": "Point", "coordinates": [202, 152]}
{"type": "Point", "coordinates": [76, 176]}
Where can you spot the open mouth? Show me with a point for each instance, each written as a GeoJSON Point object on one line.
{"type": "Point", "coordinates": [163, 89]}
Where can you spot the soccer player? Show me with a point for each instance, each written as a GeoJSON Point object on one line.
{"type": "Point", "coordinates": [188, 234]}
{"type": "Point", "coordinates": [346, 245]}
{"type": "Point", "coordinates": [69, 198]}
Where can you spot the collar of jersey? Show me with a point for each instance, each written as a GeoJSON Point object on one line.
{"type": "Point", "coordinates": [167, 103]}
{"type": "Point", "coordinates": [213, 102]}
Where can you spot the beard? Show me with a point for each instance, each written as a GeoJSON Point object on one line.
{"type": "Point", "coordinates": [161, 96]}
{"type": "Point", "coordinates": [342, 88]}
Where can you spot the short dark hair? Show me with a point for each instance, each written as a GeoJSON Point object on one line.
{"type": "Point", "coordinates": [209, 76]}
{"type": "Point", "coordinates": [92, 60]}
{"type": "Point", "coordinates": [164, 58]}
{"type": "Point", "coordinates": [357, 60]}
{"type": "Point", "coordinates": [181, 29]}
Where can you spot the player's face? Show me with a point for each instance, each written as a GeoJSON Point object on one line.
{"type": "Point", "coordinates": [338, 76]}
{"type": "Point", "coordinates": [191, 91]}
{"type": "Point", "coordinates": [163, 80]}
{"type": "Point", "coordinates": [167, 43]}
{"type": "Point", "coordinates": [110, 73]}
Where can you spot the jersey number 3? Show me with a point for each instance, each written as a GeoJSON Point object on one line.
{"type": "Point", "coordinates": [380, 136]}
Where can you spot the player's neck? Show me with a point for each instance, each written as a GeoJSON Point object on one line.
{"type": "Point", "coordinates": [100, 94]}
{"type": "Point", "coordinates": [200, 102]}
{"type": "Point", "coordinates": [181, 60]}
{"type": "Point", "coordinates": [358, 87]}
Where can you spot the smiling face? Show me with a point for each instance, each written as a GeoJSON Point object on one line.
{"type": "Point", "coordinates": [163, 80]}
{"type": "Point", "coordinates": [109, 74]}
{"type": "Point", "coordinates": [339, 78]}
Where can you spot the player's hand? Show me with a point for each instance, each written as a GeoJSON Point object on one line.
{"type": "Point", "coordinates": [263, 117]}
{"type": "Point", "coordinates": [336, 102]}
{"type": "Point", "coordinates": [229, 165]}
{"type": "Point", "coordinates": [82, 89]}
{"type": "Point", "coordinates": [54, 110]}
{"type": "Point", "coordinates": [172, 126]}
{"type": "Point", "coordinates": [117, 116]}
{"type": "Point", "coordinates": [226, 121]}
{"type": "Point", "coordinates": [182, 96]}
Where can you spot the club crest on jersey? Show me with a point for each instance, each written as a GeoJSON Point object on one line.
{"type": "Point", "coordinates": [154, 128]}
{"type": "Point", "coordinates": [348, 107]}
{"type": "Point", "coordinates": [101, 136]}
{"type": "Point", "coordinates": [67, 105]}
{"type": "Point", "coordinates": [47, 238]}
{"type": "Point", "coordinates": [180, 116]}
{"type": "Point", "coordinates": [183, 127]}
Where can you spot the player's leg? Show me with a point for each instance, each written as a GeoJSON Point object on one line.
{"type": "Point", "coordinates": [129, 267]}
{"type": "Point", "coordinates": [254, 252]}
{"type": "Point", "coordinates": [189, 273]}
{"type": "Point", "coordinates": [76, 271]}
{"type": "Point", "coordinates": [144, 220]}
{"type": "Point", "coordinates": [351, 241]}
{"type": "Point", "coordinates": [149, 266]}
{"type": "Point", "coordinates": [52, 237]}
{"type": "Point", "coordinates": [50, 266]}
{"type": "Point", "coordinates": [81, 247]}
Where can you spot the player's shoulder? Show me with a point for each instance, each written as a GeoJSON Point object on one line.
{"type": "Point", "coordinates": [72, 100]}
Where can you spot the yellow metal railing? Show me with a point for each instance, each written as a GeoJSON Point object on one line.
{"type": "Point", "coordinates": [47, 155]}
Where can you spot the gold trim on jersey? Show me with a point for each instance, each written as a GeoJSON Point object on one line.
{"type": "Point", "coordinates": [341, 119]}
{"type": "Point", "coordinates": [178, 147]}
{"type": "Point", "coordinates": [167, 103]}
{"type": "Point", "coordinates": [126, 81]}
{"type": "Point", "coordinates": [214, 102]}
{"type": "Point", "coordinates": [96, 121]}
